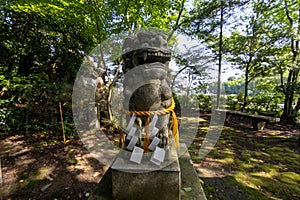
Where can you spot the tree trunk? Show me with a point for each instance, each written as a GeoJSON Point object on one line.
{"type": "Point", "coordinates": [108, 104]}
{"type": "Point", "coordinates": [288, 101]}
{"type": "Point", "coordinates": [245, 103]}
{"type": "Point", "coordinates": [220, 57]}
{"type": "Point", "coordinates": [289, 115]}
{"type": "Point", "coordinates": [110, 88]}
{"type": "Point", "coordinates": [246, 88]}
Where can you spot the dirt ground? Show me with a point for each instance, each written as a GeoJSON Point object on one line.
{"type": "Point", "coordinates": [35, 168]}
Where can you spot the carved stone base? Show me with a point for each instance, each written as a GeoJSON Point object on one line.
{"type": "Point", "coordinates": [126, 184]}
{"type": "Point", "coordinates": [146, 180]}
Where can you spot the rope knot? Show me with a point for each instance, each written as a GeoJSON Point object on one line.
{"type": "Point", "coordinates": [173, 126]}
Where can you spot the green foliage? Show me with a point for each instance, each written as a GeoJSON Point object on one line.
{"type": "Point", "coordinates": [31, 103]}
{"type": "Point", "coordinates": [234, 86]}
{"type": "Point", "coordinates": [43, 44]}
{"type": "Point", "coordinates": [205, 102]}
{"type": "Point", "coordinates": [266, 96]}
{"type": "Point", "coordinates": [41, 37]}
{"type": "Point", "coordinates": [206, 14]}
{"type": "Point", "coordinates": [261, 39]}
{"type": "Point", "coordinates": [233, 102]}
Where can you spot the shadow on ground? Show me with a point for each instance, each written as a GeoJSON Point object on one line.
{"type": "Point", "coordinates": [35, 167]}
{"type": "Point", "coordinates": [247, 164]}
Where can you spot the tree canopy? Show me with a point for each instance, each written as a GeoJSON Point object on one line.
{"type": "Point", "coordinates": [43, 44]}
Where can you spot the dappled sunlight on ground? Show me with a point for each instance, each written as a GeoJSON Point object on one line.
{"type": "Point", "coordinates": [38, 168]}
{"type": "Point", "coordinates": [244, 164]}
{"type": "Point", "coordinates": [248, 164]}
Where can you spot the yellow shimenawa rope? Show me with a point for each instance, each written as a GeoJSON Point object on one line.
{"type": "Point", "coordinates": [147, 138]}
{"type": "Point", "coordinates": [174, 124]}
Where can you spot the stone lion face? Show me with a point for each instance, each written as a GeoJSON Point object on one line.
{"type": "Point", "coordinates": [146, 47]}
{"type": "Point", "coordinates": [149, 55]}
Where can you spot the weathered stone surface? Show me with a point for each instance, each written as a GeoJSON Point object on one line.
{"type": "Point", "coordinates": [189, 179]}
{"type": "Point", "coordinates": [147, 79]}
{"type": "Point", "coordinates": [146, 180]}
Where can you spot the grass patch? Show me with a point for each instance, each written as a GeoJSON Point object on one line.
{"type": "Point", "coordinates": [285, 156]}
{"type": "Point", "coordinates": [34, 178]}
{"type": "Point", "coordinates": [242, 166]}
{"type": "Point", "coordinates": [227, 161]}
{"type": "Point", "coordinates": [27, 180]}
{"type": "Point", "coordinates": [251, 192]}
{"type": "Point", "coordinates": [262, 167]}
{"type": "Point", "coordinates": [71, 161]}
{"type": "Point", "coordinates": [274, 186]}
{"type": "Point", "coordinates": [289, 177]}
{"type": "Point", "coordinates": [31, 183]}
{"type": "Point", "coordinates": [13, 188]}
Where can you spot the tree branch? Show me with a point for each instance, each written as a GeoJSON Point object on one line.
{"type": "Point", "coordinates": [288, 15]}
{"type": "Point", "coordinates": [177, 21]}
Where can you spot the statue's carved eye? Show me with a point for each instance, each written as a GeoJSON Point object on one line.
{"type": "Point", "coordinates": [165, 45]}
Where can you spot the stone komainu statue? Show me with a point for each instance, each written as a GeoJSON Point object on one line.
{"type": "Point", "coordinates": [146, 62]}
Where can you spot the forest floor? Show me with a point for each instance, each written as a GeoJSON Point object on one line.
{"type": "Point", "coordinates": [245, 164]}
{"type": "Point", "coordinates": [35, 167]}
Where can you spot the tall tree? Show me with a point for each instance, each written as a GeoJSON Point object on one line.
{"type": "Point", "coordinates": [43, 37]}
{"type": "Point", "coordinates": [251, 47]}
{"type": "Point", "coordinates": [42, 44]}
{"type": "Point", "coordinates": [207, 22]}
{"type": "Point", "coordinates": [220, 51]}
{"type": "Point", "coordinates": [193, 67]}
{"type": "Point", "coordinates": [284, 15]}
{"type": "Point", "coordinates": [47, 40]}
{"type": "Point", "coordinates": [292, 12]}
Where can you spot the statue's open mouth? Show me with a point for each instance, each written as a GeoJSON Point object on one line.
{"type": "Point", "coordinates": [145, 56]}
{"type": "Point", "coordinates": [151, 55]}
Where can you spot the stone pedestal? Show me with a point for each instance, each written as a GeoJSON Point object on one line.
{"type": "Point", "coordinates": [146, 180]}
{"type": "Point", "coordinates": [127, 184]}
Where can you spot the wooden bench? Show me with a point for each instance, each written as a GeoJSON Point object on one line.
{"type": "Point", "coordinates": [258, 121]}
